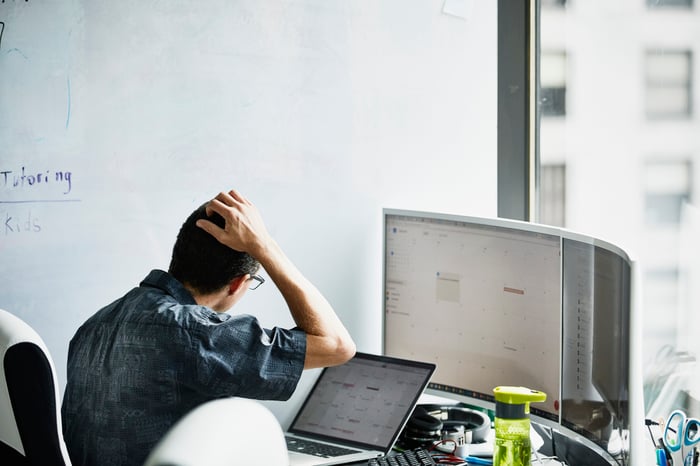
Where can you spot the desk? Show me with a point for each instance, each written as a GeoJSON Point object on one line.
{"type": "Point", "coordinates": [547, 441]}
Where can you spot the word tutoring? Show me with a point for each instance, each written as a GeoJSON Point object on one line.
{"type": "Point", "coordinates": [27, 180]}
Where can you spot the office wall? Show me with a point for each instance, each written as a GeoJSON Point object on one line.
{"type": "Point", "coordinates": [119, 118]}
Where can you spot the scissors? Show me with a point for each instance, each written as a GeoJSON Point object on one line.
{"type": "Point", "coordinates": [681, 432]}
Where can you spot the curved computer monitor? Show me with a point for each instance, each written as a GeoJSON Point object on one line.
{"type": "Point", "coordinates": [501, 302]}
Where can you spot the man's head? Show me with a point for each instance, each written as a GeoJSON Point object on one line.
{"type": "Point", "coordinates": [203, 264]}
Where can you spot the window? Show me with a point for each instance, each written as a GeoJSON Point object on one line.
{"type": "Point", "coordinates": [668, 84]}
{"type": "Point", "coordinates": [553, 83]}
{"type": "Point", "coordinates": [553, 194]}
{"type": "Point", "coordinates": [667, 186]}
{"type": "Point", "coordinates": [631, 153]}
{"type": "Point", "coordinates": [660, 294]}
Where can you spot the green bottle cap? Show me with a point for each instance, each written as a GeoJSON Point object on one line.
{"type": "Point", "coordinates": [514, 402]}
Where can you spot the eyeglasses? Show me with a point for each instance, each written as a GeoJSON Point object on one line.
{"type": "Point", "coordinates": [258, 281]}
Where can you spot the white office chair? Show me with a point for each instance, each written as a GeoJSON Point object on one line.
{"type": "Point", "coordinates": [223, 432]}
{"type": "Point", "coordinates": [30, 418]}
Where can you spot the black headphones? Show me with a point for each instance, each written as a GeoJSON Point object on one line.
{"type": "Point", "coordinates": [430, 423]}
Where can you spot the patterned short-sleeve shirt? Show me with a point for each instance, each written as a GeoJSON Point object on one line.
{"type": "Point", "coordinates": [141, 363]}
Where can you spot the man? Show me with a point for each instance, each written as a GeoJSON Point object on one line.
{"type": "Point", "coordinates": [142, 362]}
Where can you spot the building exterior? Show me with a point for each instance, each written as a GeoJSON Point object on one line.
{"type": "Point", "coordinates": [619, 157]}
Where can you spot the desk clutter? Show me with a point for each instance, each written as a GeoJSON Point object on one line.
{"type": "Point", "coordinates": [454, 434]}
{"type": "Point", "coordinates": [449, 434]}
{"type": "Point", "coordinates": [469, 430]}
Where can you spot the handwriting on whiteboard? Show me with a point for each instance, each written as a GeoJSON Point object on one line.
{"type": "Point", "coordinates": [22, 192]}
{"type": "Point", "coordinates": [29, 181]}
{"type": "Point", "coordinates": [25, 222]}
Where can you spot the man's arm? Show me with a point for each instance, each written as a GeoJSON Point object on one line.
{"type": "Point", "coordinates": [328, 342]}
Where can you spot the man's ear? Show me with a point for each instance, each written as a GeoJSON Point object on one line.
{"type": "Point", "coordinates": [238, 284]}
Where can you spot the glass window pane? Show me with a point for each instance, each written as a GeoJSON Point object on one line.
{"type": "Point", "coordinates": [664, 208]}
{"type": "Point", "coordinates": [553, 101]}
{"type": "Point", "coordinates": [667, 102]}
{"type": "Point", "coordinates": [667, 176]}
{"type": "Point", "coordinates": [660, 294]}
{"type": "Point", "coordinates": [667, 188]}
{"type": "Point", "coordinates": [668, 67]}
{"type": "Point", "coordinates": [553, 69]}
{"type": "Point", "coordinates": [668, 84]}
{"type": "Point", "coordinates": [553, 83]}
{"type": "Point", "coordinates": [553, 194]}
{"type": "Point", "coordinates": [628, 97]}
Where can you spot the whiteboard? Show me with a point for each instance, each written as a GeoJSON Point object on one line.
{"type": "Point", "coordinates": [117, 119]}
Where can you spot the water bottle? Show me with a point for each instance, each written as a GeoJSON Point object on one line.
{"type": "Point", "coordinates": [512, 425]}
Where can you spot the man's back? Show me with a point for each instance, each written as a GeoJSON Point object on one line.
{"type": "Point", "coordinates": [144, 361]}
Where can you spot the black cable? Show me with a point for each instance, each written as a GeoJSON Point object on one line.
{"type": "Point", "coordinates": [653, 442]}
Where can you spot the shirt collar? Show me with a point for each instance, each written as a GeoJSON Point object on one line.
{"type": "Point", "coordinates": [168, 283]}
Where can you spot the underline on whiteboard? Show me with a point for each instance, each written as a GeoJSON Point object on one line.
{"type": "Point", "coordinates": [40, 201]}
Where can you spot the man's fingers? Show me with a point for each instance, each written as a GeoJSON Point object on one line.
{"type": "Point", "coordinates": [216, 205]}
{"type": "Point", "coordinates": [226, 198]}
{"type": "Point", "coordinates": [210, 228]}
{"type": "Point", "coordinates": [238, 197]}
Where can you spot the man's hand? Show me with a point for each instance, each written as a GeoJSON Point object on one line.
{"type": "Point", "coordinates": [328, 342]}
{"type": "Point", "coordinates": [244, 229]}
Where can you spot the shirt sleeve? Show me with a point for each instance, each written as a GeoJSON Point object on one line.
{"type": "Point", "coordinates": [238, 357]}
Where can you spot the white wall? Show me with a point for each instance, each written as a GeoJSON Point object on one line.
{"type": "Point", "coordinates": [322, 112]}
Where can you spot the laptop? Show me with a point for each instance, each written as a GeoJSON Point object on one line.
{"type": "Point", "coordinates": [357, 410]}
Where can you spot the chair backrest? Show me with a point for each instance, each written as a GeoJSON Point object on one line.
{"type": "Point", "coordinates": [30, 418]}
{"type": "Point", "coordinates": [223, 432]}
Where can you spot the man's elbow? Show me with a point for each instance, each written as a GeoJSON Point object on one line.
{"type": "Point", "coordinates": [326, 351]}
{"type": "Point", "coordinates": [346, 350]}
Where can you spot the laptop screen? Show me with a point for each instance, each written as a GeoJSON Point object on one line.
{"type": "Point", "coordinates": [364, 402]}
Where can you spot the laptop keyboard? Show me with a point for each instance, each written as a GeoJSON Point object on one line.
{"type": "Point", "coordinates": [416, 457]}
{"type": "Point", "coordinates": [323, 450]}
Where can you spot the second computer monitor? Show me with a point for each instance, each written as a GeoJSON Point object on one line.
{"type": "Point", "coordinates": [499, 302]}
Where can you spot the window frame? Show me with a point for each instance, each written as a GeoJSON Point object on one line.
{"type": "Point", "coordinates": [518, 63]}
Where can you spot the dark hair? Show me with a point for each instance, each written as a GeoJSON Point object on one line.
{"type": "Point", "coordinates": [201, 262]}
